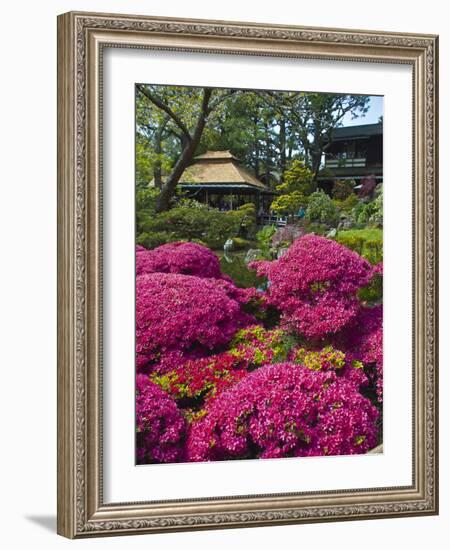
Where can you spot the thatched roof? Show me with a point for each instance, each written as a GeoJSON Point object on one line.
{"type": "Point", "coordinates": [219, 168]}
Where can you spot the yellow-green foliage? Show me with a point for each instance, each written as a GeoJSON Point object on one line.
{"type": "Point", "coordinates": [367, 242]}
{"type": "Point", "coordinates": [326, 358]}
{"type": "Point", "coordinates": [290, 203]}
{"type": "Point", "coordinates": [297, 178]}
{"type": "Point", "coordinates": [260, 346]}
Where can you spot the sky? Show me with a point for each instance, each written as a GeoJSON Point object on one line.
{"type": "Point", "coordinates": [372, 115]}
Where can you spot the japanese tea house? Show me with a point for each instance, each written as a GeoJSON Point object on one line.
{"type": "Point", "coordinates": [354, 153]}
{"type": "Point", "coordinates": [218, 179]}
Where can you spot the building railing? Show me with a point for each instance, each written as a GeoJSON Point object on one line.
{"type": "Point", "coordinates": [346, 163]}
{"type": "Point", "coordinates": [268, 219]}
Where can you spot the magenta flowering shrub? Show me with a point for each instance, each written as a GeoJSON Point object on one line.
{"type": "Point", "coordinates": [232, 373]}
{"type": "Point", "coordinates": [364, 341]}
{"type": "Point", "coordinates": [160, 426]}
{"type": "Point", "coordinates": [314, 285]}
{"type": "Point", "coordinates": [331, 358]}
{"type": "Point", "coordinates": [284, 410]}
{"type": "Point", "coordinates": [182, 316]}
{"type": "Point", "coordinates": [194, 382]}
{"type": "Point", "coordinates": [179, 257]}
{"type": "Point", "coordinates": [378, 269]}
{"type": "Point", "coordinates": [255, 346]}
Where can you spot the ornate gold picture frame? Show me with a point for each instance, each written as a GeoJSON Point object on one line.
{"type": "Point", "coordinates": [82, 38]}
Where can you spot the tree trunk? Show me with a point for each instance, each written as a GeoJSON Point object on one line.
{"type": "Point", "coordinates": [256, 145]}
{"type": "Point", "coordinates": [282, 148]}
{"type": "Point", "coordinates": [157, 169]}
{"type": "Point", "coordinates": [316, 152]}
{"type": "Point", "coordinates": [168, 189]}
{"type": "Point", "coordinates": [267, 135]}
{"type": "Point", "coordinates": [316, 157]}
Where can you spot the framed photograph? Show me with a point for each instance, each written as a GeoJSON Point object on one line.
{"type": "Point", "coordinates": [247, 282]}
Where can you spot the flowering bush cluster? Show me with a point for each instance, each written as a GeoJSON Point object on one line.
{"type": "Point", "coordinates": [255, 346]}
{"type": "Point", "coordinates": [195, 381]}
{"type": "Point", "coordinates": [182, 314]}
{"type": "Point", "coordinates": [227, 373]}
{"type": "Point", "coordinates": [178, 257]}
{"type": "Point", "coordinates": [315, 285]}
{"type": "Point", "coordinates": [330, 358]}
{"type": "Point", "coordinates": [285, 410]}
{"type": "Point", "coordinates": [160, 425]}
{"type": "Point", "coordinates": [364, 342]}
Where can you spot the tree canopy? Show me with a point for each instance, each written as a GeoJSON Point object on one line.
{"type": "Point", "coordinates": [266, 130]}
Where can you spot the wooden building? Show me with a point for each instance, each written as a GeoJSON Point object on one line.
{"type": "Point", "coordinates": [354, 153]}
{"type": "Point", "coordinates": [218, 179]}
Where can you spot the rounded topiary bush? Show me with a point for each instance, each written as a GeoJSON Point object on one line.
{"type": "Point", "coordinates": [285, 410]}
{"type": "Point", "coordinates": [314, 285]}
{"type": "Point", "coordinates": [160, 426]}
{"type": "Point", "coordinates": [178, 315]}
{"type": "Point", "coordinates": [179, 257]}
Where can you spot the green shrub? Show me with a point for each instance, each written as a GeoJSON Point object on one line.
{"type": "Point", "coordinates": [146, 199]}
{"type": "Point", "coordinates": [195, 223]}
{"type": "Point", "coordinates": [369, 244]}
{"type": "Point", "coordinates": [264, 239]}
{"type": "Point", "coordinates": [322, 210]}
{"type": "Point", "coordinates": [369, 213]}
{"type": "Point", "coordinates": [154, 239]}
{"type": "Point", "coordinates": [376, 217]}
{"type": "Point", "coordinates": [347, 205]}
{"type": "Point", "coordinates": [366, 242]}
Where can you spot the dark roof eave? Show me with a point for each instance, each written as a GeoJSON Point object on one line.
{"type": "Point", "coordinates": [224, 186]}
{"type": "Point", "coordinates": [363, 131]}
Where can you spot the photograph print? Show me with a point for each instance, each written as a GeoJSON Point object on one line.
{"type": "Point", "coordinates": [259, 264]}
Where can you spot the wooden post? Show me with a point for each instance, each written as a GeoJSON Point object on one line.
{"type": "Point", "coordinates": [257, 204]}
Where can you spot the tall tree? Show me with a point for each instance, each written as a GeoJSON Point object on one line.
{"type": "Point", "coordinates": [313, 117]}
{"type": "Point", "coordinates": [187, 110]}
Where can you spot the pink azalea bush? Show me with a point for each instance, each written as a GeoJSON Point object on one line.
{"type": "Point", "coordinates": [192, 382]}
{"type": "Point", "coordinates": [228, 373]}
{"type": "Point", "coordinates": [178, 315]}
{"type": "Point", "coordinates": [255, 346]}
{"type": "Point", "coordinates": [330, 358]}
{"type": "Point", "coordinates": [363, 340]}
{"type": "Point", "coordinates": [285, 410]}
{"type": "Point", "coordinates": [314, 285]}
{"type": "Point", "coordinates": [160, 426]}
{"type": "Point", "coordinates": [178, 257]}
{"type": "Point", "coordinates": [195, 382]}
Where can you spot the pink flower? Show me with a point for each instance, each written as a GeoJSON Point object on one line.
{"type": "Point", "coordinates": [285, 410]}
{"type": "Point", "coordinates": [363, 340]}
{"type": "Point", "coordinates": [315, 285]}
{"type": "Point", "coordinates": [179, 257]}
{"type": "Point", "coordinates": [183, 315]}
{"type": "Point", "coordinates": [160, 426]}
